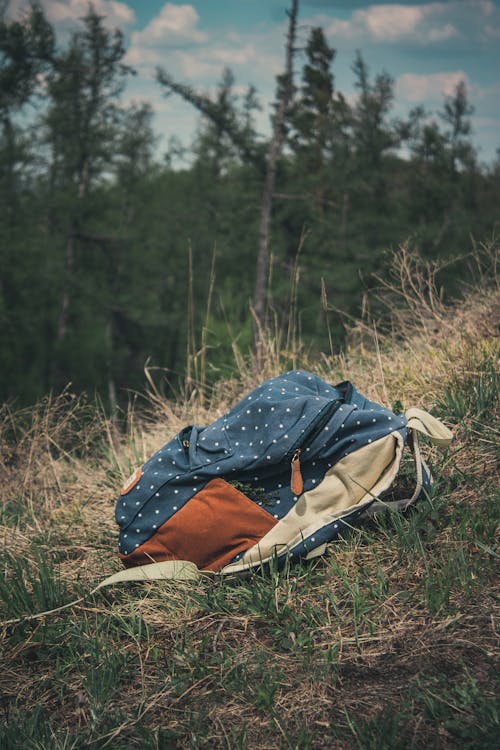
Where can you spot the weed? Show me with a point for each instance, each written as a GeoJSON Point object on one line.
{"type": "Point", "coordinates": [463, 709]}
{"type": "Point", "coordinates": [385, 642]}
{"type": "Point", "coordinates": [386, 730]}
{"type": "Point", "coordinates": [30, 585]}
{"type": "Point", "coordinates": [473, 393]}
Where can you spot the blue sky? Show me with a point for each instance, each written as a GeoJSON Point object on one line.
{"type": "Point", "coordinates": [426, 46]}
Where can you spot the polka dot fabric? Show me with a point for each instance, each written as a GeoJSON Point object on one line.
{"type": "Point", "coordinates": [252, 447]}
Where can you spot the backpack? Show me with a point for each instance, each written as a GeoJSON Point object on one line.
{"type": "Point", "coordinates": [278, 477]}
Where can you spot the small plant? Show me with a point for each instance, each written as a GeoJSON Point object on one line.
{"type": "Point", "coordinates": [30, 585]}
{"type": "Point", "coordinates": [468, 713]}
{"type": "Point", "coordinates": [386, 730]}
{"type": "Point", "coordinates": [473, 393]}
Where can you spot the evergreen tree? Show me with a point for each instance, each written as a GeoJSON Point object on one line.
{"type": "Point", "coordinates": [81, 128]}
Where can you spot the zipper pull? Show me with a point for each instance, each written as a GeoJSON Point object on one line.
{"type": "Point", "coordinates": [296, 484]}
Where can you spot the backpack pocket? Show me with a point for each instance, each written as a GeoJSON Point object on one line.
{"type": "Point", "coordinates": [204, 446]}
{"type": "Point", "coordinates": [218, 523]}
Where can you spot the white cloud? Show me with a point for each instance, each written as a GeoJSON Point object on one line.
{"type": "Point", "coordinates": [393, 23]}
{"type": "Point", "coordinates": [416, 88]}
{"type": "Point", "coordinates": [236, 55]}
{"type": "Point", "coordinates": [195, 66]}
{"type": "Point", "coordinates": [165, 36]}
{"type": "Point", "coordinates": [140, 56]}
{"type": "Point", "coordinates": [174, 24]}
{"type": "Point", "coordinates": [422, 24]}
{"type": "Point", "coordinates": [117, 14]}
{"type": "Point", "coordinates": [389, 22]}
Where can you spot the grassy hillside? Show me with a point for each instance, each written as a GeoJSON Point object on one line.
{"type": "Point", "coordinates": [388, 641]}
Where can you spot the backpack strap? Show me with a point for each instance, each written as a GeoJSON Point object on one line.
{"type": "Point", "coordinates": [168, 570]}
{"type": "Point", "coordinates": [420, 421]}
{"type": "Point", "coordinates": [177, 570]}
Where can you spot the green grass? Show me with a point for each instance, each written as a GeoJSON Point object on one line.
{"type": "Point", "coordinates": [387, 642]}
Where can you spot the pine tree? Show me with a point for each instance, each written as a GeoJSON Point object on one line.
{"type": "Point", "coordinates": [81, 128]}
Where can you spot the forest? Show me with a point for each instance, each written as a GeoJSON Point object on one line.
{"type": "Point", "coordinates": [115, 257]}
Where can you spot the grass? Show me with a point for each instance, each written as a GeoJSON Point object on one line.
{"type": "Point", "coordinates": [388, 641]}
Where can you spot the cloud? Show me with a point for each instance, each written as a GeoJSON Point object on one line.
{"type": "Point", "coordinates": [416, 88]}
{"type": "Point", "coordinates": [174, 29]}
{"type": "Point", "coordinates": [117, 14]}
{"type": "Point", "coordinates": [196, 66]}
{"type": "Point", "coordinates": [175, 24]}
{"type": "Point", "coordinates": [176, 39]}
{"type": "Point", "coordinates": [393, 23]}
{"type": "Point", "coordinates": [422, 24]}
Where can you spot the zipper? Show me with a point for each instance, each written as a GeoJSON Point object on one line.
{"type": "Point", "coordinates": [184, 436]}
{"type": "Point", "coordinates": [296, 481]}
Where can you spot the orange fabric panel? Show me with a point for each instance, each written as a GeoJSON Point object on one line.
{"type": "Point", "coordinates": [215, 525]}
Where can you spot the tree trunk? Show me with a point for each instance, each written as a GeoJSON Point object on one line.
{"type": "Point", "coordinates": [63, 323]}
{"type": "Point", "coordinates": [260, 294]}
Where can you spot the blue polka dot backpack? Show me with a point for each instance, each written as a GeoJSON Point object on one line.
{"type": "Point", "coordinates": [276, 478]}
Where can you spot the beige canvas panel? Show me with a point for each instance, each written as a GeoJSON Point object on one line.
{"type": "Point", "coordinates": [354, 481]}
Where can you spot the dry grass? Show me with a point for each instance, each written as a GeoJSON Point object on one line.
{"type": "Point", "coordinates": [389, 641]}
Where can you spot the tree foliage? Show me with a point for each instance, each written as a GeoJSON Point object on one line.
{"type": "Point", "coordinates": [111, 256]}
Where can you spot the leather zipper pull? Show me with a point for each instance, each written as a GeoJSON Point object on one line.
{"type": "Point", "coordinates": [296, 484]}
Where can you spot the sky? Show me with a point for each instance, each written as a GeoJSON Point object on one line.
{"type": "Point", "coordinates": [427, 47]}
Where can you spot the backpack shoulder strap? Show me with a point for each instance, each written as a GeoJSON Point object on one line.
{"type": "Point", "coordinates": [420, 421]}
{"type": "Point", "coordinates": [169, 570]}
{"type": "Point", "coordinates": [423, 422]}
